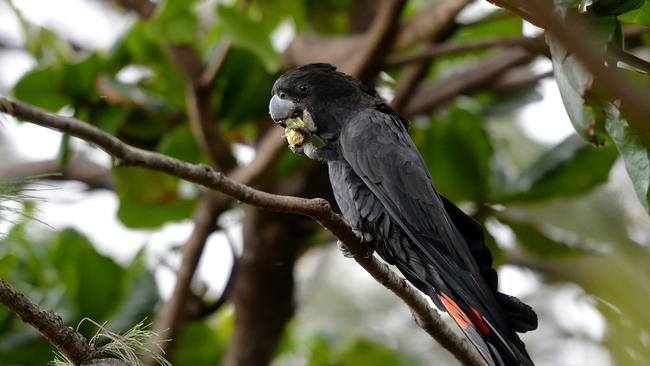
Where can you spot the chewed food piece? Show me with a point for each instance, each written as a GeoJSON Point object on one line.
{"type": "Point", "coordinates": [293, 137]}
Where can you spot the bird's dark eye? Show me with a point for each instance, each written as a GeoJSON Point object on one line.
{"type": "Point", "coordinates": [303, 87]}
{"type": "Point", "coordinates": [283, 95]}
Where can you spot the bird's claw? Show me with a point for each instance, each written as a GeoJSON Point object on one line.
{"type": "Point", "coordinates": [367, 245]}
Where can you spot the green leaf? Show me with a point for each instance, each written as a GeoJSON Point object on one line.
{"type": "Point", "coordinates": [249, 35]}
{"type": "Point", "coordinates": [570, 168]}
{"type": "Point", "coordinates": [198, 344]}
{"type": "Point", "coordinates": [538, 243]}
{"type": "Point", "coordinates": [139, 294]}
{"type": "Point", "coordinates": [242, 88]}
{"type": "Point", "coordinates": [634, 149]}
{"type": "Point", "coordinates": [92, 280]}
{"type": "Point", "coordinates": [149, 199]}
{"type": "Point", "coordinates": [180, 143]}
{"type": "Point", "coordinates": [457, 151]}
{"type": "Point", "coordinates": [176, 23]}
{"type": "Point", "coordinates": [42, 87]}
{"type": "Point", "coordinates": [638, 16]}
{"type": "Point", "coordinates": [79, 77]}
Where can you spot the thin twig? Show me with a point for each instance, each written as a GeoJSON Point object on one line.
{"type": "Point", "coordinates": [318, 209]}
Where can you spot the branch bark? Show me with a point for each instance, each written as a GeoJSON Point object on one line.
{"type": "Point", "coordinates": [318, 209]}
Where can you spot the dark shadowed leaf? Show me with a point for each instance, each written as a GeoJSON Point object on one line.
{"type": "Point", "coordinates": [639, 16]}
{"type": "Point", "coordinates": [615, 7]}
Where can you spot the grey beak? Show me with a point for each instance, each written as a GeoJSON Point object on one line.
{"type": "Point", "coordinates": [281, 109]}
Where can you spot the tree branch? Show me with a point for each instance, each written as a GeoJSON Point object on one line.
{"type": "Point", "coordinates": [437, 50]}
{"type": "Point", "coordinates": [382, 30]}
{"type": "Point", "coordinates": [436, 92]}
{"type": "Point", "coordinates": [318, 209]}
{"type": "Point", "coordinates": [584, 46]}
{"type": "Point", "coordinates": [428, 23]}
{"type": "Point", "coordinates": [72, 344]}
{"type": "Point", "coordinates": [413, 74]}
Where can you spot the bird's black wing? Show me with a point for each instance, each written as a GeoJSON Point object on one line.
{"type": "Point", "coordinates": [380, 151]}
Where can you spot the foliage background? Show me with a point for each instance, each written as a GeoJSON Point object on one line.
{"type": "Point", "coordinates": [566, 223]}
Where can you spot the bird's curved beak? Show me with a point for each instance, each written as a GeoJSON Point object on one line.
{"type": "Point", "coordinates": [281, 110]}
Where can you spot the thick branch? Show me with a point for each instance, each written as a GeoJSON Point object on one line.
{"type": "Point", "coordinates": [380, 33]}
{"type": "Point", "coordinates": [318, 209]}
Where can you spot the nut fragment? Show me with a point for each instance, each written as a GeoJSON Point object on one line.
{"type": "Point", "coordinates": [293, 137]}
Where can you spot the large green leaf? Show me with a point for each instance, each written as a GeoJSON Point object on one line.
{"type": "Point", "coordinates": [198, 344]}
{"type": "Point", "coordinates": [241, 91]}
{"type": "Point", "coordinates": [79, 77]}
{"type": "Point", "coordinates": [457, 151]}
{"type": "Point", "coordinates": [139, 295]}
{"type": "Point", "coordinates": [149, 199]}
{"type": "Point", "coordinates": [249, 35]}
{"type": "Point", "coordinates": [634, 149]}
{"type": "Point", "coordinates": [92, 280]}
{"type": "Point", "coordinates": [176, 23]}
{"type": "Point", "coordinates": [572, 167]}
{"type": "Point", "coordinates": [180, 143]}
{"type": "Point", "coordinates": [42, 87]}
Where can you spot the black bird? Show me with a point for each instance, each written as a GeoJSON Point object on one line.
{"type": "Point", "coordinates": [385, 192]}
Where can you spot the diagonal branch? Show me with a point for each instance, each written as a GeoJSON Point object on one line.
{"type": "Point", "coordinates": [318, 209]}
{"type": "Point", "coordinates": [72, 344]}
{"type": "Point", "coordinates": [431, 94]}
{"type": "Point", "coordinates": [414, 73]}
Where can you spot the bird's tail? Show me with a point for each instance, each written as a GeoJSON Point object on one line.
{"type": "Point", "coordinates": [495, 346]}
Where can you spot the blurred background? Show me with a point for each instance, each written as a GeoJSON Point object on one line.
{"type": "Point", "coordinates": [564, 207]}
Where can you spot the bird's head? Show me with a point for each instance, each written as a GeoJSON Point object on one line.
{"type": "Point", "coordinates": [320, 95]}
